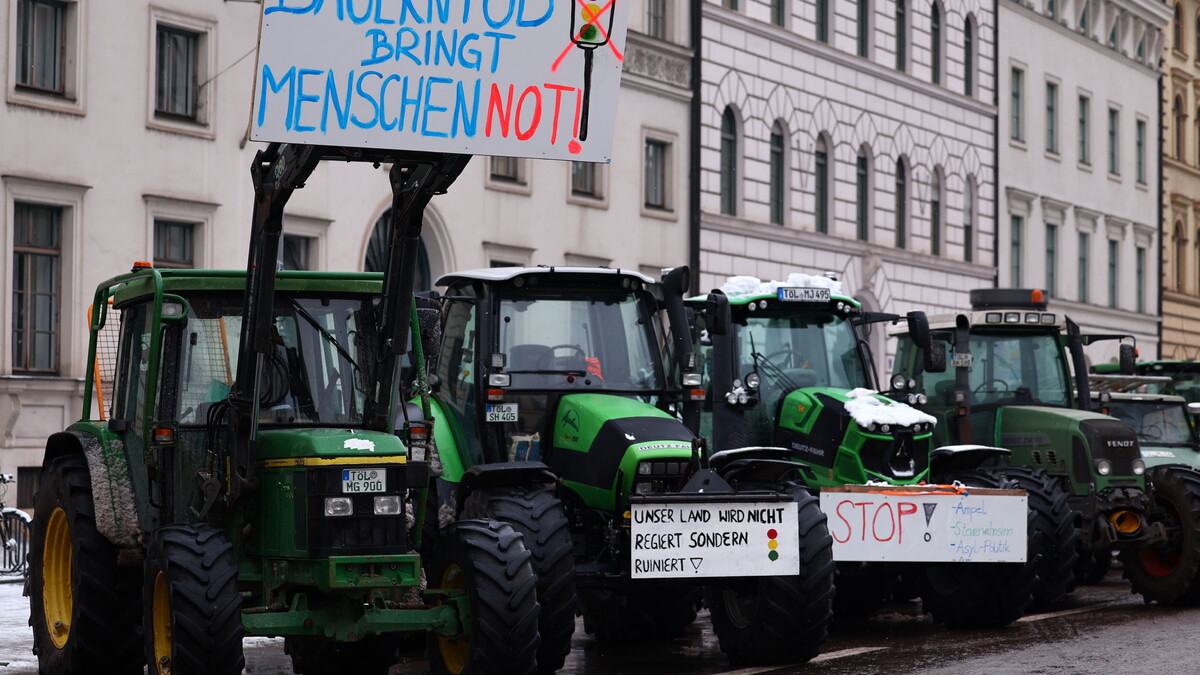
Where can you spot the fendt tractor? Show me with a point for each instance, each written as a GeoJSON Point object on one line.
{"type": "Point", "coordinates": [559, 373]}
{"type": "Point", "coordinates": [247, 475]}
{"type": "Point", "coordinates": [788, 365]}
{"type": "Point", "coordinates": [1020, 381]}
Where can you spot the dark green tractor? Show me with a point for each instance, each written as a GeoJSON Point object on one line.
{"type": "Point", "coordinates": [1184, 376]}
{"type": "Point", "coordinates": [789, 366]}
{"type": "Point", "coordinates": [1020, 381]}
{"type": "Point", "coordinates": [568, 375]}
{"type": "Point", "coordinates": [243, 475]}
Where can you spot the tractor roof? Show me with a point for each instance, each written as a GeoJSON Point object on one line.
{"type": "Point", "coordinates": [498, 274]}
{"type": "Point", "coordinates": [141, 282]}
{"type": "Point", "coordinates": [742, 290]}
{"type": "Point", "coordinates": [995, 319]}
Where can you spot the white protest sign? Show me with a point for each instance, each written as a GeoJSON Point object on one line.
{"type": "Point", "coordinates": [925, 524]}
{"type": "Point", "coordinates": [522, 78]}
{"type": "Point", "coordinates": [700, 540]}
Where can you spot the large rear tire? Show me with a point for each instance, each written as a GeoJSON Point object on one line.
{"type": "Point", "coordinates": [192, 608]}
{"type": "Point", "coordinates": [784, 619]}
{"type": "Point", "coordinates": [639, 614]}
{"type": "Point", "coordinates": [84, 609]}
{"type": "Point", "coordinates": [488, 561]}
{"type": "Point", "coordinates": [1167, 573]}
{"type": "Point", "coordinates": [316, 656]}
{"type": "Point", "coordinates": [1053, 539]}
{"type": "Point", "coordinates": [540, 517]}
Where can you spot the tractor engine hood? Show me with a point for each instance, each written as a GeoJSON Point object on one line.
{"type": "Point", "coordinates": [1044, 435]}
{"type": "Point", "coordinates": [275, 445]}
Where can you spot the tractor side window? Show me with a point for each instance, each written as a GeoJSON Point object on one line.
{"type": "Point", "coordinates": [133, 365]}
{"type": "Point", "coordinates": [456, 366]}
{"type": "Point", "coordinates": [209, 358]}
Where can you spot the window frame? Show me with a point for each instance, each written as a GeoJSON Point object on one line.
{"type": "Point", "coordinates": [1114, 141]}
{"type": "Point", "coordinates": [657, 19]}
{"type": "Point", "coordinates": [70, 99]}
{"type": "Point", "coordinates": [778, 173]}
{"type": "Point", "coordinates": [822, 185]}
{"type": "Point", "coordinates": [1052, 144]}
{"type": "Point", "coordinates": [1084, 129]}
{"type": "Point", "coordinates": [937, 211]}
{"type": "Point", "coordinates": [901, 181]}
{"type": "Point", "coordinates": [598, 197]}
{"type": "Point", "coordinates": [1114, 273]}
{"type": "Point", "coordinates": [970, 47]}
{"type": "Point", "coordinates": [1016, 118]}
{"type": "Point", "coordinates": [29, 314]}
{"type": "Point", "coordinates": [1083, 280]}
{"type": "Point", "coordinates": [169, 228]}
{"type": "Point", "coordinates": [206, 85]}
{"type": "Point", "coordinates": [1052, 259]}
{"type": "Point", "coordinates": [937, 20]}
{"type": "Point", "coordinates": [1016, 225]}
{"type": "Point", "coordinates": [729, 151]}
{"type": "Point", "coordinates": [669, 143]}
{"type": "Point", "coordinates": [862, 194]}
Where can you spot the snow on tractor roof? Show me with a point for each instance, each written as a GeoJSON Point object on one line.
{"type": "Point", "coordinates": [867, 407]}
{"type": "Point", "coordinates": [494, 274]}
{"type": "Point", "coordinates": [745, 287]}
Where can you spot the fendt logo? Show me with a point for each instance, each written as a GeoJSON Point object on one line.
{"type": "Point", "coordinates": [1121, 444]}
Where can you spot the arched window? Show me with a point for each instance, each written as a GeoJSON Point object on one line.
{"type": "Point", "coordinates": [778, 173]}
{"type": "Point", "coordinates": [1180, 254]}
{"type": "Point", "coordinates": [729, 160]}
{"type": "Point", "coordinates": [377, 251]}
{"type": "Point", "coordinates": [821, 185]}
{"type": "Point", "coordinates": [862, 200]}
{"type": "Point", "coordinates": [936, 211]}
{"type": "Point", "coordinates": [1177, 28]}
{"type": "Point", "coordinates": [935, 42]}
{"type": "Point", "coordinates": [1180, 127]}
{"type": "Point", "coordinates": [901, 203]}
{"type": "Point", "coordinates": [969, 56]}
{"type": "Point", "coordinates": [969, 220]}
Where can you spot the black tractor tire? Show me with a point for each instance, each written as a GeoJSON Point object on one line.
{"type": "Point", "coordinates": [373, 655]}
{"type": "Point", "coordinates": [76, 584]}
{"type": "Point", "coordinates": [862, 592]}
{"type": "Point", "coordinates": [488, 560]}
{"type": "Point", "coordinates": [1092, 566]}
{"type": "Point", "coordinates": [1053, 539]}
{"type": "Point", "coordinates": [192, 610]}
{"type": "Point", "coordinates": [1167, 573]}
{"type": "Point", "coordinates": [782, 619]}
{"type": "Point", "coordinates": [541, 518]}
{"type": "Point", "coordinates": [639, 614]}
{"type": "Point", "coordinates": [979, 595]}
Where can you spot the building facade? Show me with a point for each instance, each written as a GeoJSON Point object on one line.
{"type": "Point", "coordinates": [1079, 167]}
{"type": "Point", "coordinates": [851, 136]}
{"type": "Point", "coordinates": [124, 134]}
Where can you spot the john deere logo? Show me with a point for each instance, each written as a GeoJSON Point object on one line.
{"type": "Point", "coordinates": [571, 419]}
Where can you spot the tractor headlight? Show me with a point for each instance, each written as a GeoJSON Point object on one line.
{"type": "Point", "coordinates": [898, 381]}
{"type": "Point", "coordinates": [752, 380]}
{"type": "Point", "coordinates": [1103, 467]}
{"type": "Point", "coordinates": [1139, 467]}
{"type": "Point", "coordinates": [387, 505]}
{"type": "Point", "coordinates": [922, 399]}
{"type": "Point", "coordinates": [644, 468]}
{"type": "Point", "coordinates": [338, 506]}
{"type": "Point", "coordinates": [886, 428]}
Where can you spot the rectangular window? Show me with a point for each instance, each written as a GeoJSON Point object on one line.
{"type": "Point", "coordinates": [1113, 272]}
{"type": "Point", "coordinates": [864, 27]}
{"type": "Point", "coordinates": [1084, 141]}
{"type": "Point", "coordinates": [37, 253]}
{"type": "Point", "coordinates": [1083, 17]}
{"type": "Point", "coordinates": [41, 41]}
{"type": "Point", "coordinates": [863, 213]}
{"type": "Point", "coordinates": [1084, 241]}
{"type": "Point", "coordinates": [1052, 259]}
{"type": "Point", "coordinates": [901, 34]}
{"type": "Point", "coordinates": [1015, 252]}
{"type": "Point", "coordinates": [1141, 151]}
{"type": "Point", "coordinates": [296, 252]}
{"type": "Point", "coordinates": [656, 19]}
{"type": "Point", "coordinates": [823, 20]}
{"type": "Point", "coordinates": [777, 177]}
{"type": "Point", "coordinates": [821, 190]}
{"type": "Point", "coordinates": [507, 169]}
{"type": "Point", "coordinates": [583, 179]}
{"type": "Point", "coordinates": [1051, 117]}
{"type": "Point", "coordinates": [935, 222]}
{"type": "Point", "coordinates": [175, 75]}
{"type": "Point", "coordinates": [778, 12]}
{"type": "Point", "coordinates": [656, 174]}
{"type": "Point", "coordinates": [729, 4]}
{"type": "Point", "coordinates": [1140, 259]}
{"type": "Point", "coordinates": [901, 205]}
{"type": "Point", "coordinates": [1114, 129]}
{"type": "Point", "coordinates": [173, 244]}
{"type": "Point", "coordinates": [1052, 9]}
{"type": "Point", "coordinates": [1018, 85]}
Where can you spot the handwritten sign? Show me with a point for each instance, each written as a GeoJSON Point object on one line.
{"type": "Point", "coordinates": [521, 78]}
{"type": "Point", "coordinates": [746, 539]}
{"type": "Point", "coordinates": [921, 525]}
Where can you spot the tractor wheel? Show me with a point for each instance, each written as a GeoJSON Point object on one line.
{"type": "Point", "coordinates": [861, 592]}
{"type": "Point", "coordinates": [1092, 566]}
{"type": "Point", "coordinates": [191, 605]}
{"type": "Point", "coordinates": [784, 619]}
{"type": "Point", "coordinates": [316, 656]}
{"type": "Point", "coordinates": [541, 519]}
{"type": "Point", "coordinates": [488, 561]}
{"type": "Point", "coordinates": [83, 608]}
{"type": "Point", "coordinates": [1167, 573]}
{"type": "Point", "coordinates": [637, 616]}
{"type": "Point", "coordinates": [980, 595]}
{"type": "Point", "coordinates": [1052, 535]}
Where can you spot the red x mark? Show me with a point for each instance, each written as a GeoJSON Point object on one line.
{"type": "Point", "coordinates": [594, 21]}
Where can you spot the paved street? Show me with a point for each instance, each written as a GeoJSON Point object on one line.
{"type": "Point", "coordinates": [1102, 629]}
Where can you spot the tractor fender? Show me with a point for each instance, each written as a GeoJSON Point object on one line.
{"type": "Point", "coordinates": [757, 463]}
{"type": "Point", "coordinates": [112, 487]}
{"type": "Point", "coordinates": [501, 474]}
{"type": "Point", "coordinates": [952, 458]}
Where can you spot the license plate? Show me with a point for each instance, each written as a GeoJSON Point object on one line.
{"type": "Point", "coordinates": [363, 480]}
{"type": "Point", "coordinates": [792, 294]}
{"type": "Point", "coordinates": [501, 412]}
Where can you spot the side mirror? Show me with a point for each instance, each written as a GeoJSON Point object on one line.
{"type": "Point", "coordinates": [1127, 357]}
{"type": "Point", "coordinates": [717, 313]}
{"type": "Point", "coordinates": [935, 357]}
{"type": "Point", "coordinates": [429, 321]}
{"type": "Point", "coordinates": [918, 329]}
{"type": "Point", "coordinates": [676, 281]}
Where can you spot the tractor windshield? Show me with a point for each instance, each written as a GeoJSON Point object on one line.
{"type": "Point", "coordinates": [1155, 422]}
{"type": "Point", "coordinates": [316, 374]}
{"type": "Point", "coordinates": [790, 349]}
{"type": "Point", "coordinates": [1018, 367]}
{"type": "Point", "coordinates": [564, 340]}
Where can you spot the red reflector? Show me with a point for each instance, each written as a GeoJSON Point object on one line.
{"type": "Point", "coordinates": [495, 394]}
{"type": "Point", "coordinates": [418, 432]}
{"type": "Point", "coordinates": [164, 435]}
{"type": "Point", "coordinates": [696, 394]}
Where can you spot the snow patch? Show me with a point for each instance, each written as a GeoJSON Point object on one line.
{"type": "Point", "coordinates": [743, 286]}
{"type": "Point", "coordinates": [358, 444]}
{"type": "Point", "coordinates": [869, 407]}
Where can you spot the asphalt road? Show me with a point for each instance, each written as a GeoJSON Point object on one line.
{"type": "Point", "coordinates": [1101, 629]}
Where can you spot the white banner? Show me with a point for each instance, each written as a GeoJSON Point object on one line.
{"type": "Point", "coordinates": [926, 524]}
{"type": "Point", "coordinates": [699, 540]}
{"type": "Point", "coordinates": [523, 78]}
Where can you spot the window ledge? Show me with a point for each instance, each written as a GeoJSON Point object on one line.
{"type": "Point", "coordinates": [1084, 166]}
{"type": "Point", "coordinates": [513, 186]}
{"type": "Point", "coordinates": [46, 101]}
{"type": "Point", "coordinates": [1017, 143]}
{"type": "Point", "coordinates": [1053, 156]}
{"type": "Point", "coordinates": [589, 201]}
{"type": "Point", "coordinates": [659, 212]}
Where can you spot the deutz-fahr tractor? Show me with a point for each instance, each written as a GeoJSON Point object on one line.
{"type": "Point", "coordinates": [789, 366]}
{"type": "Point", "coordinates": [246, 476]}
{"type": "Point", "coordinates": [559, 372]}
{"type": "Point", "coordinates": [1020, 381]}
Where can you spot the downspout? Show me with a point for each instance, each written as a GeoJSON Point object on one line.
{"type": "Point", "coordinates": [1161, 214]}
{"type": "Point", "coordinates": [695, 22]}
{"type": "Point", "coordinates": [996, 143]}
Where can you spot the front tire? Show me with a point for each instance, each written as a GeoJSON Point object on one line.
{"type": "Point", "coordinates": [192, 608]}
{"type": "Point", "coordinates": [84, 609]}
{"type": "Point", "coordinates": [1053, 539]}
{"type": "Point", "coordinates": [1167, 573]}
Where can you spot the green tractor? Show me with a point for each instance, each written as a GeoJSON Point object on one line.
{"type": "Point", "coordinates": [246, 477]}
{"type": "Point", "coordinates": [559, 374]}
{"type": "Point", "coordinates": [789, 366]}
{"type": "Point", "coordinates": [1020, 381]}
{"type": "Point", "coordinates": [1184, 376]}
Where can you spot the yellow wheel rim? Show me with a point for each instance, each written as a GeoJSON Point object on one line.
{"type": "Point", "coordinates": [57, 600]}
{"type": "Point", "coordinates": [455, 651]}
{"type": "Point", "coordinates": [161, 625]}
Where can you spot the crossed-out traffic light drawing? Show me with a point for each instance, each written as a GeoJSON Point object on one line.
{"type": "Point", "coordinates": [588, 33]}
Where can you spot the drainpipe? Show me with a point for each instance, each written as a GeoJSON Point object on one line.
{"type": "Point", "coordinates": [996, 143]}
{"type": "Point", "coordinates": [1161, 214]}
{"type": "Point", "coordinates": [694, 144]}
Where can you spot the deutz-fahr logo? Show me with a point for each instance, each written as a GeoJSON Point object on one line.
{"type": "Point", "coordinates": [808, 449]}
{"type": "Point", "coordinates": [571, 419]}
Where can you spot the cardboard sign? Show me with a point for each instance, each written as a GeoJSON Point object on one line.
{"type": "Point", "coordinates": [522, 78]}
{"type": "Point", "coordinates": [925, 524]}
{"type": "Point", "coordinates": [698, 540]}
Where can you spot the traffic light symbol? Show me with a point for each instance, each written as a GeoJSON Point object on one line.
{"type": "Point", "coordinates": [590, 12]}
{"type": "Point", "coordinates": [772, 544]}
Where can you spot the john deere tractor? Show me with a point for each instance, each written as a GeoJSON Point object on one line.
{"type": "Point", "coordinates": [245, 473]}
{"type": "Point", "coordinates": [559, 374]}
{"type": "Point", "coordinates": [788, 365]}
{"type": "Point", "coordinates": [1020, 381]}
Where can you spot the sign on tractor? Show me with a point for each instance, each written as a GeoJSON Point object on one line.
{"type": "Point", "coordinates": [521, 78]}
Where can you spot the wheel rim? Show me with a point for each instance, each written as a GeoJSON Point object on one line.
{"type": "Point", "coordinates": [455, 650]}
{"type": "Point", "coordinates": [739, 606]}
{"type": "Point", "coordinates": [1161, 561]}
{"type": "Point", "coordinates": [57, 600]}
{"type": "Point", "coordinates": [161, 625]}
